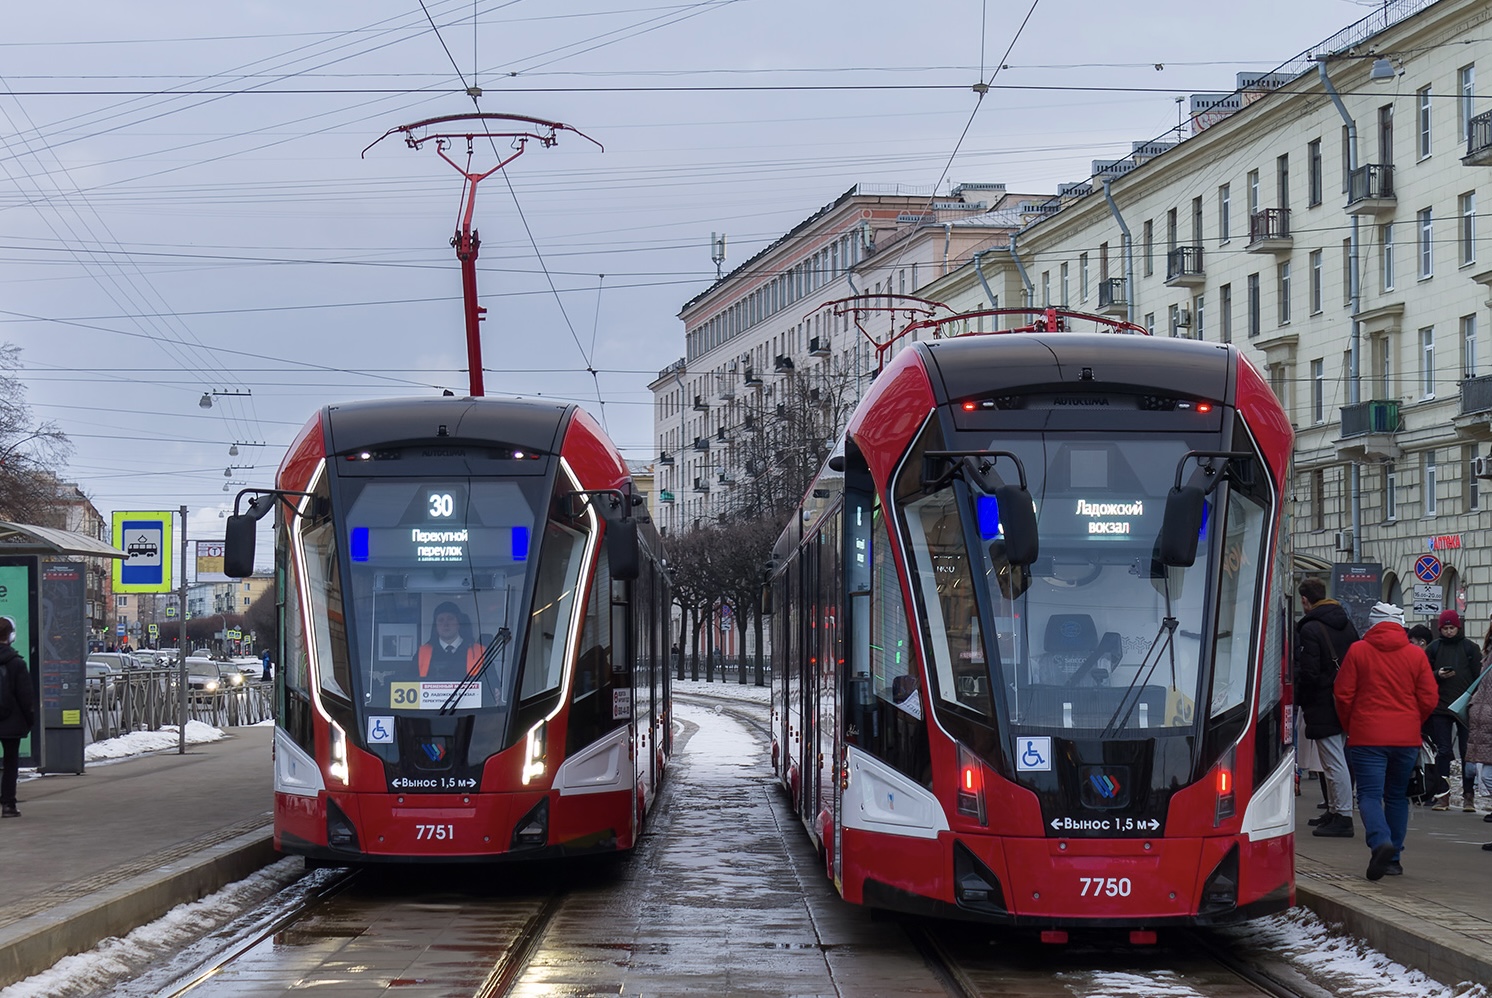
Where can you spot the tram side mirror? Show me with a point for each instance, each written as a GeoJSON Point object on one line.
{"type": "Point", "coordinates": [1182, 526]}
{"type": "Point", "coordinates": [238, 545]}
{"type": "Point", "coordinates": [621, 549]}
{"type": "Point", "coordinates": [1018, 524]}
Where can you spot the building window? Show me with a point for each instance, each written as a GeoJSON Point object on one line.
{"type": "Point", "coordinates": [1347, 163]}
{"type": "Point", "coordinates": [1318, 500]}
{"type": "Point", "coordinates": [1426, 243]}
{"type": "Point", "coordinates": [1224, 208]}
{"type": "Point", "coordinates": [1468, 345]}
{"type": "Point", "coordinates": [1318, 391]}
{"type": "Point", "coordinates": [1150, 323]}
{"type": "Point", "coordinates": [1149, 240]}
{"type": "Point", "coordinates": [1424, 121]}
{"type": "Point", "coordinates": [121, 601]}
{"type": "Point", "coordinates": [1064, 288]}
{"type": "Point", "coordinates": [1313, 171]}
{"type": "Point", "coordinates": [1253, 192]}
{"type": "Point", "coordinates": [1386, 254]}
{"type": "Point", "coordinates": [1255, 319]}
{"type": "Point", "coordinates": [1171, 231]}
{"type": "Point", "coordinates": [1427, 483]}
{"type": "Point", "coordinates": [1046, 288]}
{"type": "Point", "coordinates": [1316, 276]}
{"type": "Point", "coordinates": [1384, 346]}
{"type": "Point", "coordinates": [1282, 181]}
{"type": "Point", "coordinates": [1427, 360]}
{"type": "Point", "coordinates": [1466, 85]}
{"type": "Point", "coordinates": [1225, 313]}
{"type": "Point", "coordinates": [1386, 135]}
{"type": "Point", "coordinates": [1471, 489]}
{"type": "Point", "coordinates": [1196, 221]}
{"type": "Point", "coordinates": [1199, 318]}
{"type": "Point", "coordinates": [1390, 492]}
{"type": "Point", "coordinates": [1467, 204]}
{"type": "Point", "coordinates": [1175, 321]}
{"type": "Point", "coordinates": [1347, 271]}
{"type": "Point", "coordinates": [1083, 276]}
{"type": "Point", "coordinates": [1283, 274]}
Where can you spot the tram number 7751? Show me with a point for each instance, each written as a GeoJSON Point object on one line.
{"type": "Point", "coordinates": [1108, 887]}
{"type": "Point", "coordinates": [435, 832]}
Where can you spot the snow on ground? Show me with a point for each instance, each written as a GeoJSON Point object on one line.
{"type": "Point", "coordinates": [727, 690]}
{"type": "Point", "coordinates": [141, 742]}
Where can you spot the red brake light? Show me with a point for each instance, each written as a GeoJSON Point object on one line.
{"type": "Point", "coordinates": [970, 794]}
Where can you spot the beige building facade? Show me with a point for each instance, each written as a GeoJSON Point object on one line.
{"type": "Point", "coordinates": [1369, 156]}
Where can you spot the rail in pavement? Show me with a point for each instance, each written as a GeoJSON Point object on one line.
{"type": "Point", "coordinates": [1435, 918]}
{"type": "Point", "coordinates": [102, 853]}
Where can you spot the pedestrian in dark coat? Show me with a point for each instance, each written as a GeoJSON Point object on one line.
{"type": "Point", "coordinates": [1323, 635]}
{"type": "Point", "coordinates": [1456, 661]}
{"type": "Point", "coordinates": [17, 715]}
{"type": "Point", "coordinates": [1384, 694]}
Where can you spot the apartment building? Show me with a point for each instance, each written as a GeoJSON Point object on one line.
{"type": "Point", "coordinates": [1325, 218]}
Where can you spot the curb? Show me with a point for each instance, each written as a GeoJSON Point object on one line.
{"type": "Point", "coordinates": [32, 944]}
{"type": "Point", "coordinates": [1399, 936]}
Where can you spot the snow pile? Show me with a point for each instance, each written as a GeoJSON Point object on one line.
{"type": "Point", "coordinates": [141, 742]}
{"type": "Point", "coordinates": [731, 690]}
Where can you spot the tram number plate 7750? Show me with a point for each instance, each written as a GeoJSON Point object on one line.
{"type": "Point", "coordinates": [1108, 887]}
{"type": "Point", "coordinates": [435, 832]}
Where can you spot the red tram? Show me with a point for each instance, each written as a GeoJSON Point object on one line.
{"type": "Point", "coordinates": [508, 531]}
{"type": "Point", "coordinates": [1029, 636]}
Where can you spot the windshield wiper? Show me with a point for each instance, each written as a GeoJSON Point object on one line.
{"type": "Point", "coordinates": [498, 646]}
{"type": "Point", "coordinates": [1161, 645]}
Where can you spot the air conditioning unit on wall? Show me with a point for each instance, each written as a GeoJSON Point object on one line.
{"type": "Point", "coordinates": [1344, 540]}
{"type": "Point", "coordinates": [1481, 467]}
{"type": "Point", "coordinates": [1183, 318]}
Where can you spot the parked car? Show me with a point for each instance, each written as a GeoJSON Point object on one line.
{"type": "Point", "coordinates": [120, 661]}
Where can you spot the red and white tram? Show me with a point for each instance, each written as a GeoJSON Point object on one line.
{"type": "Point", "coordinates": [1030, 636]}
{"type": "Point", "coordinates": [508, 530]}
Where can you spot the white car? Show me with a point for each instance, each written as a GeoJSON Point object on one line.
{"type": "Point", "coordinates": [251, 666]}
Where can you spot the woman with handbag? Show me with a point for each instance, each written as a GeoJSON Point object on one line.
{"type": "Point", "coordinates": [1475, 708]}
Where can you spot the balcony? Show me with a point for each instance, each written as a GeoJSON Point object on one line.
{"type": "Point", "coordinates": [726, 478]}
{"type": "Point", "coordinates": [700, 405]}
{"type": "Point", "coordinates": [701, 485]}
{"type": "Point", "coordinates": [753, 380]}
{"type": "Point", "coordinates": [1112, 298]}
{"type": "Point", "coordinates": [720, 434]}
{"type": "Point", "coordinates": [1370, 190]}
{"type": "Point", "coordinates": [782, 363]}
{"type": "Point", "coordinates": [665, 458]}
{"type": "Point", "coordinates": [748, 423]}
{"type": "Point", "coordinates": [1369, 430]}
{"type": "Point", "coordinates": [665, 496]}
{"type": "Point", "coordinates": [1184, 267]}
{"type": "Point", "coordinates": [818, 346]}
{"type": "Point", "coordinates": [1479, 140]}
{"type": "Point", "coordinates": [1474, 420]}
{"type": "Point", "coordinates": [701, 443]}
{"type": "Point", "coordinates": [1269, 231]}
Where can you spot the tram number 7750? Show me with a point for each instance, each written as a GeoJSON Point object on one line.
{"type": "Point", "coordinates": [1109, 887]}
{"type": "Point", "coordinates": [435, 832]}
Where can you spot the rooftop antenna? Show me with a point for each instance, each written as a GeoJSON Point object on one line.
{"type": "Point", "coordinates": [717, 251]}
{"type": "Point", "coordinates": [443, 132]}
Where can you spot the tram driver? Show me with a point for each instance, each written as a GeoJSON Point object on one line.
{"type": "Point", "coordinates": [451, 654]}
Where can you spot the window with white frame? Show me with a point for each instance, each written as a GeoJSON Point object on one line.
{"type": "Point", "coordinates": [1150, 323]}
{"type": "Point", "coordinates": [1282, 273]}
{"type": "Point", "coordinates": [1318, 391]}
{"type": "Point", "coordinates": [1064, 288]}
{"type": "Point", "coordinates": [1386, 255]}
{"type": "Point", "coordinates": [1316, 278]}
{"type": "Point", "coordinates": [1390, 492]}
{"type": "Point", "coordinates": [1423, 105]}
{"type": "Point", "coordinates": [1426, 223]}
{"type": "Point", "coordinates": [1046, 288]}
{"type": "Point", "coordinates": [1253, 184]}
{"type": "Point", "coordinates": [1318, 499]}
{"type": "Point", "coordinates": [1313, 171]}
{"type": "Point", "coordinates": [1255, 316]}
{"type": "Point", "coordinates": [1175, 320]}
{"type": "Point", "coordinates": [1383, 346]}
{"type": "Point", "coordinates": [1468, 345]}
{"type": "Point", "coordinates": [1225, 313]}
{"type": "Point", "coordinates": [1282, 180]}
{"type": "Point", "coordinates": [1427, 483]}
{"type": "Point", "coordinates": [1347, 272]}
{"type": "Point", "coordinates": [1083, 276]}
{"type": "Point", "coordinates": [1427, 361]}
{"type": "Point", "coordinates": [1224, 210]}
{"type": "Point", "coordinates": [1199, 318]}
{"type": "Point", "coordinates": [1467, 205]}
{"type": "Point", "coordinates": [1465, 97]}
{"type": "Point", "coordinates": [1471, 492]}
{"type": "Point", "coordinates": [1148, 238]}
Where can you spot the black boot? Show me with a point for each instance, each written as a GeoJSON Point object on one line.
{"type": "Point", "coordinates": [1339, 826]}
{"type": "Point", "coordinates": [9, 811]}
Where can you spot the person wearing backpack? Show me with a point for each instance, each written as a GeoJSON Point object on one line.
{"type": "Point", "coordinates": [1323, 635]}
{"type": "Point", "coordinates": [17, 714]}
{"type": "Point", "coordinates": [1456, 661]}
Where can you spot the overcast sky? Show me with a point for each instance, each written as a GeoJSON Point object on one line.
{"type": "Point", "coordinates": [183, 207]}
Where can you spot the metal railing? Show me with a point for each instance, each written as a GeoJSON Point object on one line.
{"type": "Point", "coordinates": [1372, 182]}
{"type": "Point", "coordinates": [1268, 224]}
{"type": "Point", "coordinates": [1376, 416]}
{"type": "Point", "coordinates": [1184, 261]}
{"type": "Point", "coordinates": [1479, 133]}
{"type": "Point", "coordinates": [149, 700]}
{"type": "Point", "coordinates": [1476, 394]}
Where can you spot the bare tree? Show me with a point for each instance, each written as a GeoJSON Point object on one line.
{"type": "Point", "coordinates": [738, 571]}
{"type": "Point", "coordinates": [32, 453]}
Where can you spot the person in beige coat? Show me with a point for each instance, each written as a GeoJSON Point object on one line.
{"type": "Point", "coordinates": [1479, 742]}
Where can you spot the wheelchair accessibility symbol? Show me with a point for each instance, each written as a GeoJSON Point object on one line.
{"type": "Point", "coordinates": [1033, 754]}
{"type": "Point", "coordinates": [380, 730]}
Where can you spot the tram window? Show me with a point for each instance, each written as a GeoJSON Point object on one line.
{"type": "Point", "coordinates": [327, 608]}
{"type": "Point", "coordinates": [890, 642]}
{"type": "Point", "coordinates": [558, 575]}
{"type": "Point", "coordinates": [1238, 582]}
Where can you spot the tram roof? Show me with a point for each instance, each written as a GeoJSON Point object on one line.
{"type": "Point", "coordinates": [987, 363]}
{"type": "Point", "coordinates": [534, 424]}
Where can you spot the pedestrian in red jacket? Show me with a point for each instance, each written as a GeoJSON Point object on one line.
{"type": "Point", "coordinates": [1384, 693]}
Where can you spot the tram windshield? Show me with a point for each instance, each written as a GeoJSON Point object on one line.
{"type": "Point", "coordinates": [1096, 638]}
{"type": "Point", "coordinates": [455, 593]}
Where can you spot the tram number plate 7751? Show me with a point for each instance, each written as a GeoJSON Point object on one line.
{"type": "Point", "coordinates": [435, 832]}
{"type": "Point", "coordinates": [1108, 887]}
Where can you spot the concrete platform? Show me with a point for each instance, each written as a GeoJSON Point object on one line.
{"type": "Point", "coordinates": [1435, 917]}
{"type": "Point", "coordinates": [102, 853]}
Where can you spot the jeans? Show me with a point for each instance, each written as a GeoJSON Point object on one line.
{"type": "Point", "coordinates": [1333, 752]}
{"type": "Point", "coordinates": [1382, 776]}
{"type": "Point", "coordinates": [11, 748]}
{"type": "Point", "coordinates": [1449, 735]}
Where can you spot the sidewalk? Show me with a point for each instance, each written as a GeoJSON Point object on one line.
{"type": "Point", "coordinates": [102, 853]}
{"type": "Point", "coordinates": [1435, 918]}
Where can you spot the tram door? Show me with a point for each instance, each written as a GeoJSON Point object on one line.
{"type": "Point", "coordinates": [808, 684]}
{"type": "Point", "coordinates": [853, 669]}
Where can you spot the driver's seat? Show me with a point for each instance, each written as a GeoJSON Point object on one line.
{"type": "Point", "coordinates": [1070, 639]}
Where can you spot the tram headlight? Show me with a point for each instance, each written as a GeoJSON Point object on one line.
{"type": "Point", "coordinates": [1227, 804]}
{"type": "Point", "coordinates": [533, 765]}
{"type": "Point", "coordinates": [970, 796]}
{"type": "Point", "coordinates": [336, 762]}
